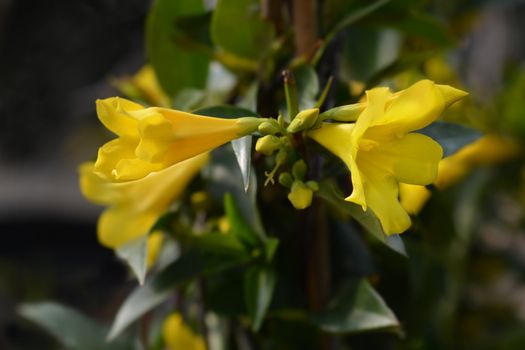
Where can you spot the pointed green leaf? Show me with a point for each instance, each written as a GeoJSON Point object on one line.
{"type": "Point", "coordinates": [134, 253]}
{"type": "Point", "coordinates": [238, 27]}
{"type": "Point", "coordinates": [72, 329]}
{"type": "Point", "coordinates": [178, 62]}
{"type": "Point", "coordinates": [259, 285]}
{"type": "Point", "coordinates": [357, 307]}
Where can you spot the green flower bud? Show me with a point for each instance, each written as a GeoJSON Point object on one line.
{"type": "Point", "coordinates": [300, 195]}
{"type": "Point", "coordinates": [267, 144]}
{"type": "Point", "coordinates": [269, 127]}
{"type": "Point", "coordinates": [313, 185]}
{"type": "Point", "coordinates": [299, 169]}
{"type": "Point", "coordinates": [304, 120]}
{"type": "Point", "coordinates": [249, 124]}
{"type": "Point", "coordinates": [286, 179]}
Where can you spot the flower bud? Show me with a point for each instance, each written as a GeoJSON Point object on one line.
{"type": "Point", "coordinates": [269, 127]}
{"type": "Point", "coordinates": [267, 144]}
{"type": "Point", "coordinates": [313, 185]}
{"type": "Point", "coordinates": [286, 179]}
{"type": "Point", "coordinates": [304, 120]}
{"type": "Point", "coordinates": [299, 169]}
{"type": "Point", "coordinates": [300, 195]}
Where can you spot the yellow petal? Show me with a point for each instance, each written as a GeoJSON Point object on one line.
{"type": "Point", "coordinates": [146, 81]}
{"type": "Point", "coordinates": [111, 153]}
{"type": "Point", "coordinates": [412, 159]}
{"type": "Point", "coordinates": [413, 109]}
{"type": "Point", "coordinates": [450, 94]}
{"type": "Point", "coordinates": [136, 205]}
{"type": "Point", "coordinates": [119, 225]}
{"type": "Point", "coordinates": [178, 336]}
{"type": "Point", "coordinates": [381, 192]}
{"type": "Point", "coordinates": [155, 240]}
{"type": "Point", "coordinates": [376, 100]}
{"type": "Point", "coordinates": [413, 197]}
{"type": "Point", "coordinates": [113, 113]}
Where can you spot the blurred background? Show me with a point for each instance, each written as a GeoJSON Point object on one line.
{"type": "Point", "coordinates": [465, 279]}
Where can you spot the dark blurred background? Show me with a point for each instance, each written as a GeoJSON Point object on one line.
{"type": "Point", "coordinates": [56, 59]}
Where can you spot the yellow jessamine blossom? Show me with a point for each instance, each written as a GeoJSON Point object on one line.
{"type": "Point", "coordinates": [135, 205]}
{"type": "Point", "coordinates": [178, 336]}
{"type": "Point", "coordinates": [151, 139]}
{"type": "Point", "coordinates": [147, 83]}
{"type": "Point", "coordinates": [381, 151]}
{"type": "Point", "coordinates": [155, 240]}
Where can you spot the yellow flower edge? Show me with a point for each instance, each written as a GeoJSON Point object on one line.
{"type": "Point", "coordinates": [177, 335]}
{"type": "Point", "coordinates": [154, 138]}
{"type": "Point", "coordinates": [381, 150]}
{"type": "Point", "coordinates": [134, 206]}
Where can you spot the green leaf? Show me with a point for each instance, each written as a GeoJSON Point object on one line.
{"type": "Point", "coordinates": [208, 253]}
{"type": "Point", "coordinates": [141, 300]}
{"type": "Point", "coordinates": [356, 15]}
{"type": "Point", "coordinates": [238, 27]}
{"type": "Point", "coordinates": [72, 329]}
{"type": "Point", "coordinates": [135, 254]}
{"type": "Point", "coordinates": [242, 148]}
{"type": "Point", "coordinates": [451, 136]}
{"type": "Point", "coordinates": [259, 285]}
{"type": "Point", "coordinates": [357, 307]}
{"type": "Point", "coordinates": [331, 194]}
{"type": "Point", "coordinates": [239, 226]}
{"type": "Point", "coordinates": [222, 176]}
{"type": "Point", "coordinates": [177, 62]}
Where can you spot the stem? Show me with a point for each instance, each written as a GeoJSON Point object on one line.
{"type": "Point", "coordinates": [290, 91]}
{"type": "Point", "coordinates": [305, 27]}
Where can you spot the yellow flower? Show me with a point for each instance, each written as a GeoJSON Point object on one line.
{"type": "Point", "coordinates": [381, 151]}
{"type": "Point", "coordinates": [155, 240]}
{"type": "Point", "coordinates": [146, 82]}
{"type": "Point", "coordinates": [487, 150]}
{"type": "Point", "coordinates": [413, 197]}
{"type": "Point", "coordinates": [135, 205]}
{"type": "Point", "coordinates": [151, 139]}
{"type": "Point", "coordinates": [178, 336]}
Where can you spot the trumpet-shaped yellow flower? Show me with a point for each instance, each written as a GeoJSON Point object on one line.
{"type": "Point", "coordinates": [151, 139]}
{"type": "Point", "coordinates": [135, 205]}
{"type": "Point", "coordinates": [178, 336]}
{"type": "Point", "coordinates": [381, 151]}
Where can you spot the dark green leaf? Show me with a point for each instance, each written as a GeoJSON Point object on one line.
{"type": "Point", "coordinates": [237, 26]}
{"type": "Point", "coordinates": [73, 330]}
{"type": "Point", "coordinates": [177, 64]}
{"type": "Point", "coordinates": [258, 291]}
{"type": "Point", "coordinates": [239, 226]}
{"type": "Point", "coordinates": [357, 15]}
{"type": "Point", "coordinates": [135, 255]}
{"type": "Point", "coordinates": [357, 307]}
{"type": "Point", "coordinates": [331, 194]}
{"type": "Point", "coordinates": [196, 27]}
{"type": "Point", "coordinates": [450, 136]}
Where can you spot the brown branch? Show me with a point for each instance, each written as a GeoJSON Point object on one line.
{"type": "Point", "coordinates": [305, 27]}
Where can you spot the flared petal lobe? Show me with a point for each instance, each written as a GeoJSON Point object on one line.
{"type": "Point", "coordinates": [151, 139]}
{"type": "Point", "coordinates": [135, 205]}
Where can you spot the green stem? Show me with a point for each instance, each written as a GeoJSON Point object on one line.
{"type": "Point", "coordinates": [290, 90]}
